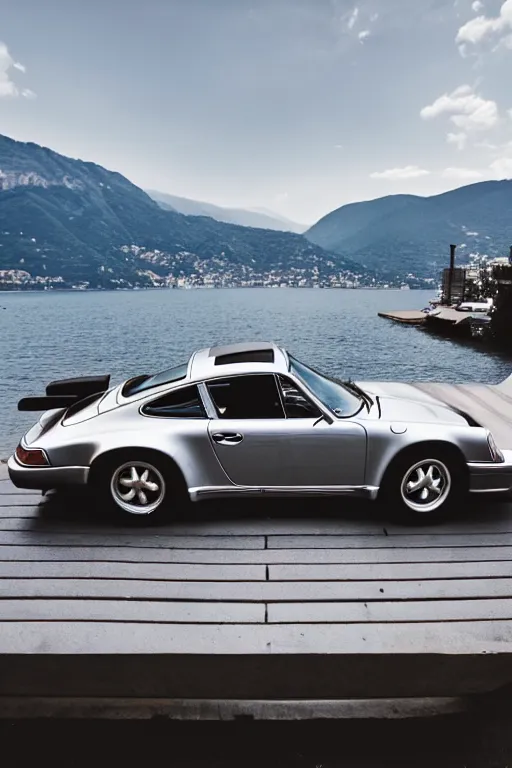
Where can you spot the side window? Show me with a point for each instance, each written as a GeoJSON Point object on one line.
{"type": "Point", "coordinates": [296, 404]}
{"type": "Point", "coordinates": [247, 397]}
{"type": "Point", "coordinates": [184, 403]}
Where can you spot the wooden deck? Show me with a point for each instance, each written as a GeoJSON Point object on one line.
{"type": "Point", "coordinates": [278, 602]}
{"type": "Point", "coordinates": [408, 316]}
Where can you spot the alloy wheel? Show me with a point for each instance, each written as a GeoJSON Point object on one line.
{"type": "Point", "coordinates": [426, 485]}
{"type": "Point", "coordinates": [138, 487]}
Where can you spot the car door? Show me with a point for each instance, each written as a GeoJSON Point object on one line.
{"type": "Point", "coordinates": [257, 445]}
{"type": "Point", "coordinates": [321, 453]}
{"type": "Point", "coordinates": [249, 436]}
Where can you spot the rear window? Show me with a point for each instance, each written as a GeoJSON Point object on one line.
{"type": "Point", "coordinates": [183, 403]}
{"type": "Point", "coordinates": [169, 376]}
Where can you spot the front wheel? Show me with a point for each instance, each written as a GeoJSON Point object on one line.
{"type": "Point", "coordinates": [424, 487]}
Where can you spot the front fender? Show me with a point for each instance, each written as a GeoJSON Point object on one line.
{"type": "Point", "coordinates": [384, 444]}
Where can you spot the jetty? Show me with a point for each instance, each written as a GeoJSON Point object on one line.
{"type": "Point", "coordinates": [447, 320]}
{"type": "Point", "coordinates": [489, 283]}
{"type": "Point", "coordinates": [266, 610]}
{"type": "Point", "coordinates": [408, 316]}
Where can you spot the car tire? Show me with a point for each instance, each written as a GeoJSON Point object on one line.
{"type": "Point", "coordinates": [143, 487]}
{"type": "Point", "coordinates": [425, 485]}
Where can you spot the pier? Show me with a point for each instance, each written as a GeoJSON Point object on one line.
{"type": "Point", "coordinates": [266, 609]}
{"type": "Point", "coordinates": [446, 320]}
{"type": "Point", "coordinates": [407, 316]}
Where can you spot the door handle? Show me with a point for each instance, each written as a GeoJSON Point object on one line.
{"type": "Point", "coordinates": [227, 438]}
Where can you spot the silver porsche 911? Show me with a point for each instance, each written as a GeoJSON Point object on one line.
{"type": "Point", "coordinates": [251, 420]}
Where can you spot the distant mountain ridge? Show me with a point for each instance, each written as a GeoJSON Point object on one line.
{"type": "Point", "coordinates": [240, 216]}
{"type": "Point", "coordinates": [401, 232]}
{"type": "Point", "coordinates": [68, 222]}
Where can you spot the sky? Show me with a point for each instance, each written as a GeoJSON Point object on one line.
{"type": "Point", "coordinates": [296, 106]}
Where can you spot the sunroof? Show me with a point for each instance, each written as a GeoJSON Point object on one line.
{"type": "Point", "coordinates": [249, 356]}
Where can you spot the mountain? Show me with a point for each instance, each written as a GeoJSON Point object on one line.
{"type": "Point", "coordinates": [65, 222]}
{"type": "Point", "coordinates": [246, 218]}
{"type": "Point", "coordinates": [406, 232]}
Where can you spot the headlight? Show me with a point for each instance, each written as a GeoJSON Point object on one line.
{"type": "Point", "coordinates": [496, 454]}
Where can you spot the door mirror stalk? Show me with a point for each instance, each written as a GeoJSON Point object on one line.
{"type": "Point", "coordinates": [323, 417]}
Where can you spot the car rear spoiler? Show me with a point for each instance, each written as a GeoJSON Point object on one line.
{"type": "Point", "coordinates": [65, 392]}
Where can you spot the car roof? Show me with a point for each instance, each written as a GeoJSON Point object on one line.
{"type": "Point", "coordinates": [236, 359]}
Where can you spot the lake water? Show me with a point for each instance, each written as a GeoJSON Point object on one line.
{"type": "Point", "coordinates": [45, 336]}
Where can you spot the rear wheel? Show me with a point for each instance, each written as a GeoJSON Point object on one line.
{"type": "Point", "coordinates": [143, 486]}
{"type": "Point", "coordinates": [425, 485]}
{"type": "Point", "coordinates": [138, 487]}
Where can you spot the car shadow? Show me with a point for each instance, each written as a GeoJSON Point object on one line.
{"type": "Point", "coordinates": [83, 508]}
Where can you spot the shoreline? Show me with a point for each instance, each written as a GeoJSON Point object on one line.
{"type": "Point", "coordinates": [214, 288]}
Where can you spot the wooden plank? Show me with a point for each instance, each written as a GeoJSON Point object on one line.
{"type": "Point", "coordinates": [487, 524]}
{"type": "Point", "coordinates": [20, 500]}
{"type": "Point", "coordinates": [146, 571]}
{"type": "Point", "coordinates": [409, 611]}
{"type": "Point", "coordinates": [265, 556]}
{"type": "Point", "coordinates": [131, 611]}
{"type": "Point", "coordinates": [407, 540]}
{"type": "Point", "coordinates": [388, 571]}
{"type": "Point", "coordinates": [134, 539]}
{"type": "Point", "coordinates": [256, 591]}
{"type": "Point", "coordinates": [21, 517]}
{"type": "Point", "coordinates": [15, 517]}
{"type": "Point", "coordinates": [18, 516]}
{"type": "Point", "coordinates": [103, 638]}
{"type": "Point", "coordinates": [7, 487]}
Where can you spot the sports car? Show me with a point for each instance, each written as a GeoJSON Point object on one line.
{"type": "Point", "coordinates": [252, 420]}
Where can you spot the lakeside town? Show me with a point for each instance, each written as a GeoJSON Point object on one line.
{"type": "Point", "coordinates": [185, 270]}
{"type": "Point", "coordinates": [19, 280]}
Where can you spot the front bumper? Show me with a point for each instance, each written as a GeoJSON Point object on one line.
{"type": "Point", "coordinates": [44, 478]}
{"type": "Point", "coordinates": [490, 477]}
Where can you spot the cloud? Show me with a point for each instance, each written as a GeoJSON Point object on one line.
{"type": "Point", "coordinates": [353, 18]}
{"type": "Point", "coordinates": [502, 167]}
{"type": "Point", "coordinates": [478, 29]}
{"type": "Point", "coordinates": [461, 173]}
{"type": "Point", "coordinates": [364, 35]}
{"type": "Point", "coordinates": [338, 146]}
{"type": "Point", "coordinates": [396, 174]}
{"type": "Point", "coordinates": [459, 139]}
{"type": "Point", "coordinates": [28, 94]}
{"type": "Point", "coordinates": [477, 6]}
{"type": "Point", "coordinates": [7, 86]}
{"type": "Point", "coordinates": [468, 111]}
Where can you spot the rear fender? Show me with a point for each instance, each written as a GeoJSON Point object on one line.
{"type": "Point", "coordinates": [188, 447]}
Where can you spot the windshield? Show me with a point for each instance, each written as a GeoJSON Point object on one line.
{"type": "Point", "coordinates": [168, 376]}
{"type": "Point", "coordinates": [334, 395]}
